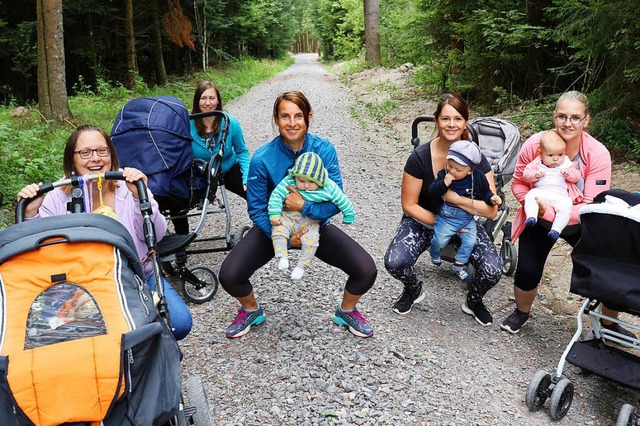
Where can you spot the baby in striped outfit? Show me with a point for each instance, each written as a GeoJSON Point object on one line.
{"type": "Point", "coordinates": [310, 177]}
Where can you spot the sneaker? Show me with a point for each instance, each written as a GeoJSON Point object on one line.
{"type": "Point", "coordinates": [479, 312]}
{"type": "Point", "coordinates": [354, 321]}
{"type": "Point", "coordinates": [297, 273]}
{"type": "Point", "coordinates": [554, 235]}
{"type": "Point", "coordinates": [243, 322]}
{"type": "Point", "coordinates": [515, 321]}
{"type": "Point", "coordinates": [617, 328]}
{"type": "Point", "coordinates": [283, 264]}
{"type": "Point", "coordinates": [461, 272]}
{"type": "Point", "coordinates": [407, 299]}
{"type": "Point", "coordinates": [531, 221]}
{"type": "Point", "coordinates": [437, 261]}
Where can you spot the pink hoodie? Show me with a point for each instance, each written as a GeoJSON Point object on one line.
{"type": "Point", "coordinates": [594, 164]}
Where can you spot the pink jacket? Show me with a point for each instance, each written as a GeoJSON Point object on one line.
{"type": "Point", "coordinates": [594, 165]}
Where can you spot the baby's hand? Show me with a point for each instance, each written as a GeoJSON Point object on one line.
{"type": "Point", "coordinates": [276, 221]}
{"type": "Point", "coordinates": [496, 200]}
{"type": "Point", "coordinates": [448, 178]}
{"type": "Point", "coordinates": [539, 173]}
{"type": "Point", "coordinates": [565, 172]}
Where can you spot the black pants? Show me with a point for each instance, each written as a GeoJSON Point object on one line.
{"type": "Point", "coordinates": [336, 249]}
{"type": "Point", "coordinates": [533, 250]}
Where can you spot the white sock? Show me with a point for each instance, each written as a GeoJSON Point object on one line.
{"type": "Point", "coordinates": [297, 273]}
{"type": "Point", "coordinates": [283, 265]}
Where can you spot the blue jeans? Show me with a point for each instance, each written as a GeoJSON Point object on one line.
{"type": "Point", "coordinates": [449, 221]}
{"type": "Point", "coordinates": [179, 312]}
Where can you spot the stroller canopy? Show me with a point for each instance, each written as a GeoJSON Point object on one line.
{"type": "Point", "coordinates": [606, 259]}
{"type": "Point", "coordinates": [153, 135]}
{"type": "Point", "coordinates": [499, 141]}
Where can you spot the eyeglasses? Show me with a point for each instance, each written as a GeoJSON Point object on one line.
{"type": "Point", "coordinates": [561, 119]}
{"type": "Point", "coordinates": [85, 154]}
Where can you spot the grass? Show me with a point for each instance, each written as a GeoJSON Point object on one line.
{"type": "Point", "coordinates": [31, 147]}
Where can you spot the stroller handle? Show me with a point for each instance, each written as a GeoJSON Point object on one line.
{"type": "Point", "coordinates": [415, 140]}
{"type": "Point", "coordinates": [145, 209]}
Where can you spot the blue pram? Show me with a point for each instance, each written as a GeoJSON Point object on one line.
{"type": "Point", "coordinates": [153, 135]}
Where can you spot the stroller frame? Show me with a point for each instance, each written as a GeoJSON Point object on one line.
{"type": "Point", "coordinates": [198, 412]}
{"type": "Point", "coordinates": [592, 351]}
{"type": "Point", "coordinates": [503, 171]}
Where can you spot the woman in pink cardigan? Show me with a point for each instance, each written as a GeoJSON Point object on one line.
{"type": "Point", "coordinates": [570, 118]}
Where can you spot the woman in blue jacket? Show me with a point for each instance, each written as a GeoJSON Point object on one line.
{"type": "Point", "coordinates": [270, 163]}
{"type": "Point", "coordinates": [207, 135]}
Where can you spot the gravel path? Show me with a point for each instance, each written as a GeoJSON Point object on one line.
{"type": "Point", "coordinates": [433, 366]}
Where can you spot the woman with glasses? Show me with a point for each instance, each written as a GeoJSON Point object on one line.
{"type": "Point", "coordinates": [89, 150]}
{"type": "Point", "coordinates": [592, 159]}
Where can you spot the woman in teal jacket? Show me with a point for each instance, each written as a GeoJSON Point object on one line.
{"type": "Point", "coordinates": [207, 135]}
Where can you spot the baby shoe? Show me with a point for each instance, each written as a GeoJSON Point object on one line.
{"type": "Point", "coordinates": [283, 265]}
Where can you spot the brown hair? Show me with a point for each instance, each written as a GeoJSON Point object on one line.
{"type": "Point", "coordinates": [202, 87]}
{"type": "Point", "coordinates": [297, 98]}
{"type": "Point", "coordinates": [459, 105]}
{"type": "Point", "coordinates": [68, 162]}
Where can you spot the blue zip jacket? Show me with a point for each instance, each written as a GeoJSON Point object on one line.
{"type": "Point", "coordinates": [271, 163]}
{"type": "Point", "coordinates": [235, 150]}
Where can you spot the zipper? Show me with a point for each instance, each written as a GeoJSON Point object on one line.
{"type": "Point", "coordinates": [143, 297]}
{"type": "Point", "coordinates": [129, 381]}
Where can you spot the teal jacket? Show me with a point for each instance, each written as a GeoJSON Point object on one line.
{"type": "Point", "coordinates": [235, 149]}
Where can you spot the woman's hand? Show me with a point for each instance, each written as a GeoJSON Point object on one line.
{"type": "Point", "coordinates": [542, 207]}
{"type": "Point", "coordinates": [296, 239]}
{"type": "Point", "coordinates": [451, 197]}
{"type": "Point", "coordinates": [132, 175]}
{"type": "Point", "coordinates": [294, 200]}
{"type": "Point", "coordinates": [31, 191]}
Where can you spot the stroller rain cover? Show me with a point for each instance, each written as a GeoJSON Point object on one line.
{"type": "Point", "coordinates": [153, 135]}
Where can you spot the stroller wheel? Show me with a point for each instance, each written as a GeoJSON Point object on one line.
{"type": "Point", "coordinates": [197, 398]}
{"type": "Point", "coordinates": [538, 390]}
{"type": "Point", "coordinates": [561, 398]}
{"type": "Point", "coordinates": [238, 235]}
{"type": "Point", "coordinates": [625, 417]}
{"type": "Point", "coordinates": [509, 257]}
{"type": "Point", "coordinates": [199, 284]}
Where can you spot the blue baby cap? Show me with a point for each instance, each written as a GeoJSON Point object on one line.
{"type": "Point", "coordinates": [309, 166]}
{"type": "Point", "coordinates": [465, 153]}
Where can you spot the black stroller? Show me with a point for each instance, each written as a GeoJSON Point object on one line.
{"type": "Point", "coordinates": [153, 135]}
{"type": "Point", "coordinates": [606, 267]}
{"type": "Point", "coordinates": [499, 141]}
{"type": "Point", "coordinates": [82, 341]}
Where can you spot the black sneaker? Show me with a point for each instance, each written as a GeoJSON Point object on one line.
{"type": "Point", "coordinates": [408, 297]}
{"type": "Point", "coordinates": [515, 321]}
{"type": "Point", "coordinates": [617, 328]}
{"type": "Point", "coordinates": [479, 312]}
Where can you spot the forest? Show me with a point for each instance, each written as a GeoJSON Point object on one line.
{"type": "Point", "coordinates": [499, 54]}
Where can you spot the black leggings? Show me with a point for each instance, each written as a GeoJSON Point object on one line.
{"type": "Point", "coordinates": [413, 238]}
{"type": "Point", "coordinates": [336, 249]}
{"type": "Point", "coordinates": [232, 182]}
{"type": "Point", "coordinates": [533, 249]}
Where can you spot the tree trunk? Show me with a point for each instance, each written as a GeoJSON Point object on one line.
{"type": "Point", "coordinates": [132, 65]}
{"type": "Point", "coordinates": [158, 59]}
{"type": "Point", "coordinates": [372, 32]}
{"type": "Point", "coordinates": [52, 84]}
